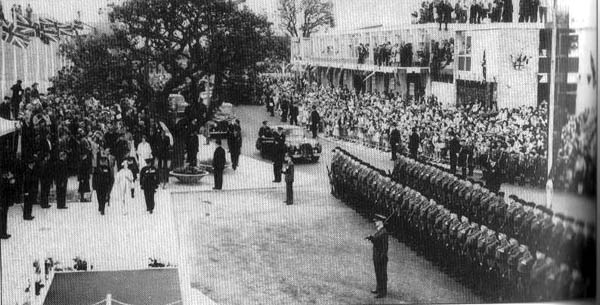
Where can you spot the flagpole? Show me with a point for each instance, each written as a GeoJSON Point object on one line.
{"type": "Point", "coordinates": [3, 67]}
{"type": "Point", "coordinates": [37, 59]}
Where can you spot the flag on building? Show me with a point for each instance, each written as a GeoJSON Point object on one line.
{"type": "Point", "coordinates": [46, 35]}
{"type": "Point", "coordinates": [484, 67]}
{"type": "Point", "coordinates": [25, 26]}
{"type": "Point", "coordinates": [11, 36]}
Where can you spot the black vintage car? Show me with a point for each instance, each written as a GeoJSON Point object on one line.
{"type": "Point", "coordinates": [222, 119]}
{"type": "Point", "coordinates": [298, 145]}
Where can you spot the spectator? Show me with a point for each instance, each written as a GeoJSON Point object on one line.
{"type": "Point", "coordinates": [543, 7]}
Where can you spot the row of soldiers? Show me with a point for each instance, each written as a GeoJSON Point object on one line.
{"type": "Point", "coordinates": [517, 167]}
{"type": "Point", "coordinates": [568, 241]}
{"type": "Point", "coordinates": [486, 256]}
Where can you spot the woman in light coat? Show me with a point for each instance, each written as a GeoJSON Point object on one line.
{"type": "Point", "coordinates": [144, 151]}
{"type": "Point", "coordinates": [123, 186]}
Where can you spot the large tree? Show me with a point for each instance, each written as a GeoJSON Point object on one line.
{"type": "Point", "coordinates": [305, 16]}
{"type": "Point", "coordinates": [185, 40]}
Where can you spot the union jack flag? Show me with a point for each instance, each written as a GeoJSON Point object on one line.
{"type": "Point", "coordinates": [11, 36]}
{"type": "Point", "coordinates": [47, 35]}
{"type": "Point", "coordinates": [25, 26]}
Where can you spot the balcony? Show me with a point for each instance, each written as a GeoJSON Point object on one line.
{"type": "Point", "coordinates": [340, 49]}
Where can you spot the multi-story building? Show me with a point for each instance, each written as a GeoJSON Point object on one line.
{"type": "Point", "coordinates": [501, 64]}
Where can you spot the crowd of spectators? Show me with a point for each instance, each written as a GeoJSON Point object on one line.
{"type": "Point", "coordinates": [478, 11]}
{"type": "Point", "coordinates": [576, 161]}
{"type": "Point", "coordinates": [59, 129]}
{"type": "Point", "coordinates": [513, 139]}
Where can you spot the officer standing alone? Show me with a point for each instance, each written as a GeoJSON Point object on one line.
{"type": "Point", "coordinates": [218, 165]}
{"type": "Point", "coordinates": [149, 183]}
{"type": "Point", "coordinates": [289, 181]}
{"type": "Point", "coordinates": [380, 257]}
{"type": "Point", "coordinates": [279, 156]}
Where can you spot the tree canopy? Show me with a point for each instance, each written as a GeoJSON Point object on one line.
{"type": "Point", "coordinates": [305, 16]}
{"type": "Point", "coordinates": [158, 47]}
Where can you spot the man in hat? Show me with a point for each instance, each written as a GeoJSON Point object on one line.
{"type": "Point", "coordinates": [234, 143]}
{"type": "Point", "coordinates": [218, 165]}
{"type": "Point", "coordinates": [264, 130]}
{"type": "Point", "coordinates": [102, 181]}
{"type": "Point", "coordinates": [149, 183]}
{"type": "Point", "coordinates": [289, 181]}
{"type": "Point", "coordinates": [380, 258]}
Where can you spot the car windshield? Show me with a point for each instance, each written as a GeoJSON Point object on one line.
{"type": "Point", "coordinates": [294, 132]}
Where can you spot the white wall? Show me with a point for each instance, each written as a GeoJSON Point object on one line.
{"type": "Point", "coordinates": [587, 93]}
{"type": "Point", "coordinates": [515, 87]}
{"type": "Point", "coordinates": [445, 93]}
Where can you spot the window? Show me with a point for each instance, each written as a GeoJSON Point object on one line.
{"type": "Point", "coordinates": [464, 52]}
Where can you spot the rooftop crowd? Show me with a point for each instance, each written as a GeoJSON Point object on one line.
{"type": "Point", "coordinates": [481, 11]}
{"type": "Point", "coordinates": [514, 140]}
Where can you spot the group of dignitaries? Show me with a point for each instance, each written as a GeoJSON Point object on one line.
{"type": "Point", "coordinates": [510, 248]}
{"type": "Point", "coordinates": [61, 137]}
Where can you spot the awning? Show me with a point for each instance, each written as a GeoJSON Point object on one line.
{"type": "Point", "coordinates": [8, 126]}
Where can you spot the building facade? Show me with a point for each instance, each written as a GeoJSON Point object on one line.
{"type": "Point", "coordinates": [501, 64]}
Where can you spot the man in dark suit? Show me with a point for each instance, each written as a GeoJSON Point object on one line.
{"type": "Point", "coordinates": [30, 187]}
{"type": "Point", "coordinates": [315, 120]}
{"type": "Point", "coordinates": [264, 130]}
{"type": "Point", "coordinates": [234, 143]}
{"type": "Point", "coordinates": [102, 182]}
{"type": "Point", "coordinates": [17, 95]}
{"type": "Point", "coordinates": [380, 257]}
{"type": "Point", "coordinates": [394, 141]}
{"type": "Point", "coordinates": [453, 150]}
{"type": "Point", "coordinates": [284, 105]}
{"type": "Point", "coordinates": [294, 114]}
{"type": "Point", "coordinates": [7, 196]}
{"type": "Point", "coordinates": [61, 178]}
{"type": "Point", "coordinates": [289, 181]}
{"type": "Point", "coordinates": [279, 156]}
{"type": "Point", "coordinates": [218, 165]}
{"type": "Point", "coordinates": [149, 183]}
{"type": "Point", "coordinates": [192, 147]}
{"type": "Point", "coordinates": [413, 143]}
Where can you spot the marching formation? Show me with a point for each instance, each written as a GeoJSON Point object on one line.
{"type": "Point", "coordinates": [511, 247]}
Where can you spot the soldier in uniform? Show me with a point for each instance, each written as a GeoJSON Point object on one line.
{"type": "Point", "coordinates": [61, 179]}
{"type": "Point", "coordinates": [30, 187]}
{"type": "Point", "coordinates": [279, 156]}
{"type": "Point", "coordinates": [289, 181]}
{"type": "Point", "coordinates": [380, 258]}
{"type": "Point", "coordinates": [7, 197]}
{"type": "Point", "coordinates": [218, 165]}
{"type": "Point", "coordinates": [394, 141]}
{"type": "Point", "coordinates": [149, 183]}
{"type": "Point", "coordinates": [102, 182]}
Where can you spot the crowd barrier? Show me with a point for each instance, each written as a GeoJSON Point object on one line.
{"type": "Point", "coordinates": [472, 230]}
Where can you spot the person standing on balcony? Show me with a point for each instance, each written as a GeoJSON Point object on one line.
{"type": "Point", "coordinates": [17, 95]}
{"type": "Point", "coordinates": [543, 7]}
{"type": "Point", "coordinates": [524, 6]}
{"type": "Point", "coordinates": [507, 12]}
{"type": "Point", "coordinates": [533, 10]}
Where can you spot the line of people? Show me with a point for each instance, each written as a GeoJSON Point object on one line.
{"type": "Point", "coordinates": [492, 258]}
{"type": "Point", "coordinates": [477, 11]}
{"type": "Point", "coordinates": [62, 136]}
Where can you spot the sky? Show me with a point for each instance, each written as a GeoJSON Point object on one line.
{"type": "Point", "coordinates": [349, 14]}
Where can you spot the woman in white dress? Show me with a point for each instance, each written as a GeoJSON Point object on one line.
{"type": "Point", "coordinates": [123, 186]}
{"type": "Point", "coordinates": [144, 151]}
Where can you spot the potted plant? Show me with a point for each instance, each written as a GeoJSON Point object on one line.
{"type": "Point", "coordinates": [189, 174]}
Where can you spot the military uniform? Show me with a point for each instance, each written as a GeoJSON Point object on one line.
{"type": "Point", "coordinates": [380, 259]}
{"type": "Point", "coordinates": [149, 182]}
{"type": "Point", "coordinates": [102, 182]}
